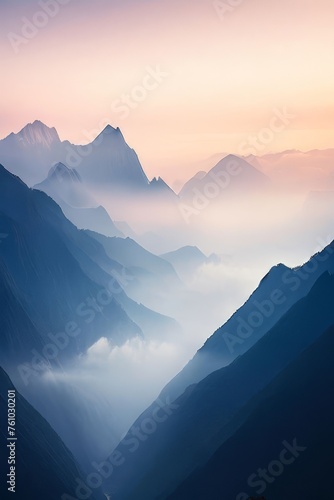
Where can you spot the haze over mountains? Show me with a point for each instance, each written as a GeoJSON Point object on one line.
{"type": "Point", "coordinates": [85, 301]}
{"type": "Point", "coordinates": [96, 325]}
{"type": "Point", "coordinates": [210, 412]}
{"type": "Point", "coordinates": [104, 181]}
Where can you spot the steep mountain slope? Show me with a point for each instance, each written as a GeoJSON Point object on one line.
{"type": "Point", "coordinates": [131, 255]}
{"type": "Point", "coordinates": [44, 251]}
{"type": "Point", "coordinates": [147, 279]}
{"type": "Point", "coordinates": [201, 417]}
{"type": "Point", "coordinates": [30, 153]}
{"type": "Point", "coordinates": [61, 294]}
{"type": "Point", "coordinates": [63, 183]}
{"type": "Point", "coordinates": [18, 334]}
{"type": "Point", "coordinates": [65, 186]}
{"type": "Point", "coordinates": [44, 466]}
{"type": "Point", "coordinates": [296, 406]}
{"type": "Point", "coordinates": [192, 183]}
{"type": "Point", "coordinates": [278, 291]}
{"type": "Point", "coordinates": [112, 162]}
{"type": "Point", "coordinates": [161, 190]}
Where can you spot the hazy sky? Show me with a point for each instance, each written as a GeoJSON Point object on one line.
{"type": "Point", "coordinates": [221, 76]}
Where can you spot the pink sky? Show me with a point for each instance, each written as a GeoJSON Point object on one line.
{"type": "Point", "coordinates": [225, 76]}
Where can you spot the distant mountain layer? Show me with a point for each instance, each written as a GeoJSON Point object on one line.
{"type": "Point", "coordinates": [187, 260]}
{"type": "Point", "coordinates": [302, 171]}
{"type": "Point", "coordinates": [229, 176]}
{"type": "Point", "coordinates": [105, 163]}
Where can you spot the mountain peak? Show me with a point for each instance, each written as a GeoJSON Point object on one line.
{"type": "Point", "coordinates": [61, 172]}
{"type": "Point", "coordinates": [111, 132]}
{"type": "Point", "coordinates": [37, 133]}
{"type": "Point", "coordinates": [158, 184]}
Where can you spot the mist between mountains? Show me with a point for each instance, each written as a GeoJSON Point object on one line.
{"type": "Point", "coordinates": [87, 311]}
{"type": "Point", "coordinates": [293, 278]}
{"type": "Point", "coordinates": [140, 432]}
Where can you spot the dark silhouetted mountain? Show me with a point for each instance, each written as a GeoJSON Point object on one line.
{"type": "Point", "coordinates": [57, 279]}
{"type": "Point", "coordinates": [45, 252]}
{"type": "Point", "coordinates": [295, 406]}
{"type": "Point", "coordinates": [203, 417]}
{"type": "Point", "coordinates": [14, 321]}
{"type": "Point", "coordinates": [44, 467]}
{"type": "Point", "coordinates": [278, 291]}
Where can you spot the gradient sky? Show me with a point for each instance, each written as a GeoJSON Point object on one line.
{"type": "Point", "coordinates": [225, 76]}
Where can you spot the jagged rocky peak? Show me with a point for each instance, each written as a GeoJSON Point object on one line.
{"type": "Point", "coordinates": [38, 133]}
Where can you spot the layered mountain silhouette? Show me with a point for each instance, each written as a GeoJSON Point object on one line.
{"type": "Point", "coordinates": [278, 291]}
{"type": "Point", "coordinates": [73, 290]}
{"type": "Point", "coordinates": [84, 179]}
{"type": "Point", "coordinates": [301, 171]}
{"type": "Point", "coordinates": [208, 413]}
{"type": "Point", "coordinates": [44, 250]}
{"type": "Point", "coordinates": [65, 186]}
{"type": "Point", "coordinates": [107, 162]}
{"type": "Point", "coordinates": [44, 467]}
{"type": "Point", "coordinates": [60, 294]}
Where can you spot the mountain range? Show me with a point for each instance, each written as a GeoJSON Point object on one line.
{"type": "Point", "coordinates": [61, 293]}
{"type": "Point", "coordinates": [207, 416]}
{"type": "Point", "coordinates": [75, 289]}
